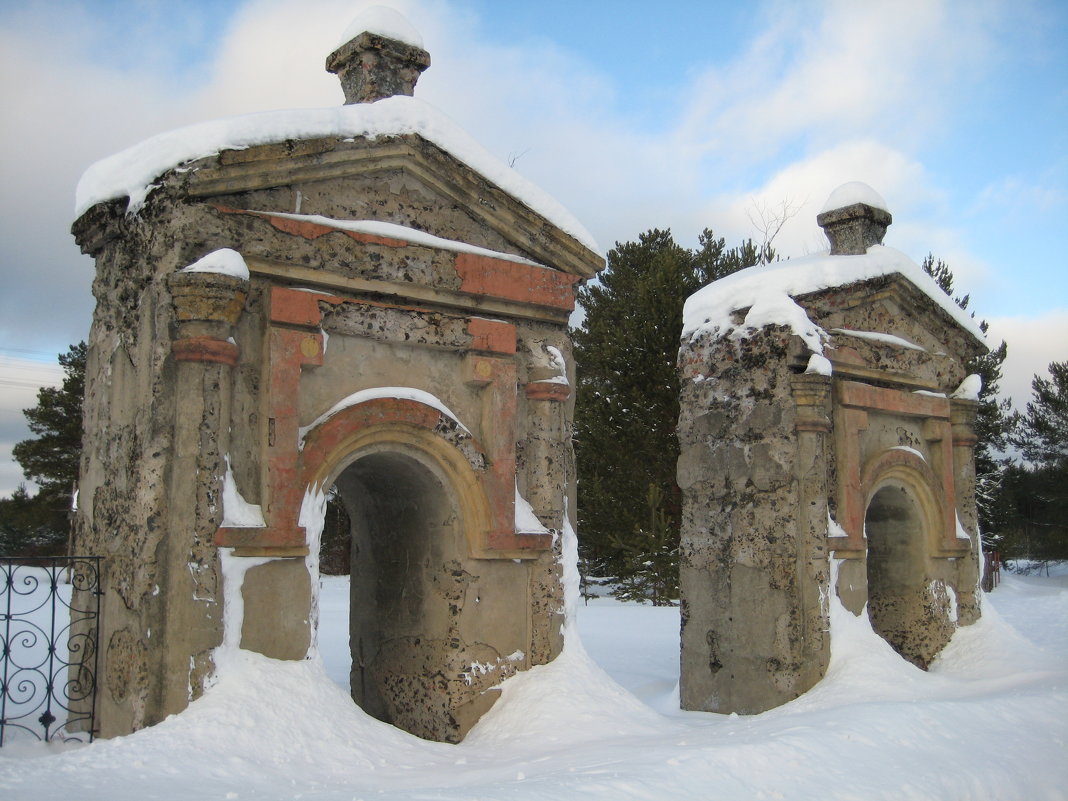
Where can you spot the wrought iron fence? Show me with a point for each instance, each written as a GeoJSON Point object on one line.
{"type": "Point", "coordinates": [49, 624]}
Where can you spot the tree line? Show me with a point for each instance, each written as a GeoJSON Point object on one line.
{"type": "Point", "coordinates": [39, 524]}
{"type": "Point", "coordinates": [627, 406]}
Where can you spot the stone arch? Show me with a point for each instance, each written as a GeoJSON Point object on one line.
{"type": "Point", "coordinates": [902, 526]}
{"type": "Point", "coordinates": [426, 433]}
{"type": "Point", "coordinates": [227, 359]}
{"type": "Point", "coordinates": [407, 475]}
{"type": "Point", "coordinates": [906, 468]}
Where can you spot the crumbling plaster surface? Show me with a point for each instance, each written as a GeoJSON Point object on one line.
{"type": "Point", "coordinates": [741, 549]}
{"type": "Point", "coordinates": [420, 373]}
{"type": "Point", "coordinates": [159, 430]}
{"type": "Point", "coordinates": [778, 464]}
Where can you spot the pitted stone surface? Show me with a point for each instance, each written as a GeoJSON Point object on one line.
{"type": "Point", "coordinates": [776, 464]}
{"type": "Point", "coordinates": [193, 379]}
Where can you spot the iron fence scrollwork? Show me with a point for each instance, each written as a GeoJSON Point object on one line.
{"type": "Point", "coordinates": [49, 625]}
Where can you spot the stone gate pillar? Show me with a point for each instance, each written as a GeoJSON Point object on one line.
{"type": "Point", "coordinates": [206, 305]}
{"type": "Point", "coordinates": [548, 462]}
{"type": "Point", "coordinates": [962, 414]}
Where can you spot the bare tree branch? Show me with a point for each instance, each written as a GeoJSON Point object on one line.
{"type": "Point", "coordinates": [769, 220]}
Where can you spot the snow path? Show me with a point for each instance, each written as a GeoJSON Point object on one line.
{"type": "Point", "coordinates": [989, 722]}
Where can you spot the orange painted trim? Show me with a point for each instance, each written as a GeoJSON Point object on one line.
{"type": "Point", "coordinates": [492, 336]}
{"type": "Point", "coordinates": [865, 396]}
{"type": "Point", "coordinates": [205, 349]}
{"type": "Point", "coordinates": [856, 481]}
{"type": "Point", "coordinates": [294, 307]}
{"type": "Point", "coordinates": [497, 482]}
{"type": "Point", "coordinates": [269, 537]}
{"type": "Point", "coordinates": [851, 502]}
{"type": "Point", "coordinates": [939, 487]}
{"type": "Point", "coordinates": [301, 308]}
{"type": "Point", "coordinates": [326, 437]}
{"type": "Point", "coordinates": [510, 540]}
{"type": "Point", "coordinates": [509, 280]}
{"type": "Point", "coordinates": [548, 391]}
{"type": "Point", "coordinates": [481, 275]}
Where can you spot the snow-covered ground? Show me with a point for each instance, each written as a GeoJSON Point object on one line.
{"type": "Point", "coordinates": [989, 721]}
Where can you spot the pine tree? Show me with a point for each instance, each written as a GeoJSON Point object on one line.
{"type": "Point", "coordinates": [1035, 496]}
{"type": "Point", "coordinates": [31, 525]}
{"type": "Point", "coordinates": [627, 402]}
{"type": "Point", "coordinates": [650, 569]}
{"type": "Point", "coordinates": [994, 420]}
{"type": "Point", "coordinates": [50, 459]}
{"type": "Point", "coordinates": [1043, 435]}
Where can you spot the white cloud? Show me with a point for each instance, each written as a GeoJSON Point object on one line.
{"type": "Point", "coordinates": [1023, 195]}
{"type": "Point", "coordinates": [19, 381]}
{"type": "Point", "coordinates": [838, 69]}
{"type": "Point", "coordinates": [805, 185]}
{"type": "Point", "coordinates": [1033, 343]}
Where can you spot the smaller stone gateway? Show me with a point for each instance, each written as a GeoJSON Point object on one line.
{"type": "Point", "coordinates": [826, 446]}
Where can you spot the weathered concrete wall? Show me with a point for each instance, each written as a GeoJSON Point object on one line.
{"type": "Point", "coordinates": [139, 484]}
{"type": "Point", "coordinates": [753, 559]}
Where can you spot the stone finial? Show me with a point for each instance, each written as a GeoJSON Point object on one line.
{"type": "Point", "coordinates": [854, 218]}
{"type": "Point", "coordinates": [382, 56]}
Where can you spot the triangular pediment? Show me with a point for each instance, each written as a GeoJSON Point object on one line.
{"type": "Point", "coordinates": [461, 204]}
{"type": "Point", "coordinates": [888, 331]}
{"type": "Point", "coordinates": [903, 309]}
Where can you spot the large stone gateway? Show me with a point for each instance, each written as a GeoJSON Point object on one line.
{"type": "Point", "coordinates": [357, 299]}
{"type": "Point", "coordinates": [826, 421]}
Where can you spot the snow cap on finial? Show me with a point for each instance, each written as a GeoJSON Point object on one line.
{"type": "Point", "coordinates": [381, 55]}
{"type": "Point", "coordinates": [855, 217]}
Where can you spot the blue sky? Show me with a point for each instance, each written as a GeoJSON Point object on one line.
{"type": "Point", "coordinates": [680, 115]}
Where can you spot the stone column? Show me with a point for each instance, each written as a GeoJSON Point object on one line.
{"type": "Point", "coordinates": [547, 477]}
{"type": "Point", "coordinates": [962, 413]}
{"type": "Point", "coordinates": [812, 396]}
{"type": "Point", "coordinates": [206, 307]}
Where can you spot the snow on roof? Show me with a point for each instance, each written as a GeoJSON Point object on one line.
{"type": "Point", "coordinates": [767, 291]}
{"type": "Point", "coordinates": [853, 192]}
{"type": "Point", "coordinates": [225, 261]}
{"type": "Point", "coordinates": [134, 172]}
{"type": "Point", "coordinates": [385, 22]}
{"type": "Point", "coordinates": [403, 233]}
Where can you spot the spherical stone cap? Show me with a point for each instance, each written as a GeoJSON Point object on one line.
{"type": "Point", "coordinates": [854, 218]}
{"type": "Point", "coordinates": [851, 193]}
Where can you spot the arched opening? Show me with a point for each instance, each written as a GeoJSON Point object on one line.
{"type": "Point", "coordinates": [403, 528]}
{"type": "Point", "coordinates": [435, 624]}
{"type": "Point", "coordinates": [895, 533]}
